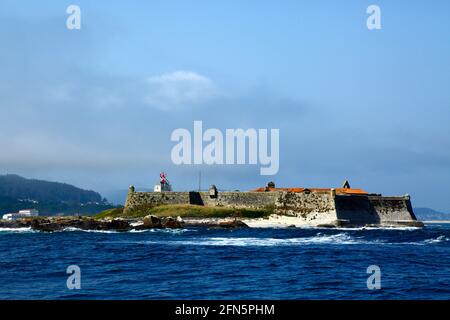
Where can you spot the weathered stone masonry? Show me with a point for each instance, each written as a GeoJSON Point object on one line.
{"type": "Point", "coordinates": [309, 207]}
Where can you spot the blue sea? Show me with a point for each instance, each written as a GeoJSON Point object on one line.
{"type": "Point", "coordinates": [227, 264]}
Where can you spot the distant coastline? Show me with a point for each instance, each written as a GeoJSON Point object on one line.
{"type": "Point", "coordinates": [436, 221]}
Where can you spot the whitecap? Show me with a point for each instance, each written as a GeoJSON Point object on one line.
{"type": "Point", "coordinates": [393, 228]}
{"type": "Point", "coordinates": [18, 230]}
{"type": "Point", "coordinates": [175, 231]}
{"type": "Point", "coordinates": [436, 240]}
{"type": "Point", "coordinates": [337, 239]}
{"type": "Point", "coordinates": [72, 229]}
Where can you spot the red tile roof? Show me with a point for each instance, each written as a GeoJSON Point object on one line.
{"type": "Point", "coordinates": [299, 190]}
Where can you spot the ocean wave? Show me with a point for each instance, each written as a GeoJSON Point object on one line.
{"type": "Point", "coordinates": [172, 231]}
{"type": "Point", "coordinates": [16, 230]}
{"type": "Point", "coordinates": [137, 231]}
{"type": "Point", "coordinates": [397, 228]}
{"type": "Point", "coordinates": [318, 239]}
{"type": "Point", "coordinates": [72, 229]}
{"type": "Point", "coordinates": [340, 238]}
{"type": "Point", "coordinates": [436, 240]}
{"type": "Point", "coordinates": [175, 231]}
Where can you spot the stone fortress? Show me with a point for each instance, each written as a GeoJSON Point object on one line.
{"type": "Point", "coordinates": [333, 207]}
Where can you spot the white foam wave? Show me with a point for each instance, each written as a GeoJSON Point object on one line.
{"type": "Point", "coordinates": [71, 229]}
{"type": "Point", "coordinates": [16, 230]}
{"type": "Point", "coordinates": [340, 238]}
{"type": "Point", "coordinates": [318, 239]}
{"type": "Point", "coordinates": [137, 231]}
{"type": "Point", "coordinates": [131, 231]}
{"type": "Point", "coordinates": [172, 231]}
{"type": "Point", "coordinates": [436, 240]}
{"type": "Point", "coordinates": [377, 228]}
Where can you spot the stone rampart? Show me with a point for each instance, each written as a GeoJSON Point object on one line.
{"type": "Point", "coordinates": [307, 207]}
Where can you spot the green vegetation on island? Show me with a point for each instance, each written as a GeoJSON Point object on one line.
{"type": "Point", "coordinates": [186, 211]}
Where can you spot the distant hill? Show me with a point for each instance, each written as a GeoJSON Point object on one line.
{"type": "Point", "coordinates": [15, 186]}
{"type": "Point", "coordinates": [49, 198]}
{"type": "Point", "coordinates": [430, 214]}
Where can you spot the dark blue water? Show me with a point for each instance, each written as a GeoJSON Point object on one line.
{"type": "Point", "coordinates": [223, 264]}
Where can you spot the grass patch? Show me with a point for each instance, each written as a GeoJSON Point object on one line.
{"type": "Point", "coordinates": [110, 213]}
{"type": "Point", "coordinates": [187, 211]}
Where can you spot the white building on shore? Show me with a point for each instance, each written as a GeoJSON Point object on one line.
{"type": "Point", "coordinates": [21, 214]}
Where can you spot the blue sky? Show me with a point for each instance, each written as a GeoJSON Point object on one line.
{"type": "Point", "coordinates": [95, 107]}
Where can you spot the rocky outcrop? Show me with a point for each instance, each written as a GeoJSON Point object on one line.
{"type": "Point", "coordinates": [151, 222]}
{"type": "Point", "coordinates": [15, 224]}
{"type": "Point", "coordinates": [215, 224]}
{"type": "Point", "coordinates": [154, 222]}
{"type": "Point", "coordinates": [171, 223]}
{"type": "Point", "coordinates": [58, 224]}
{"type": "Point", "coordinates": [235, 224]}
{"type": "Point", "coordinates": [84, 223]}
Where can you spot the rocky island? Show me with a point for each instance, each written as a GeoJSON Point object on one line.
{"type": "Point", "coordinates": [271, 206]}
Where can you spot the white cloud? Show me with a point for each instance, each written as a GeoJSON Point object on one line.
{"type": "Point", "coordinates": [178, 89]}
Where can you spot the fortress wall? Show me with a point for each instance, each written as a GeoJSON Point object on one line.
{"type": "Point", "coordinates": [315, 207]}
{"type": "Point", "coordinates": [392, 209]}
{"type": "Point", "coordinates": [356, 209]}
{"type": "Point", "coordinates": [236, 199]}
{"type": "Point", "coordinates": [137, 199]}
{"type": "Point", "coordinates": [375, 210]}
